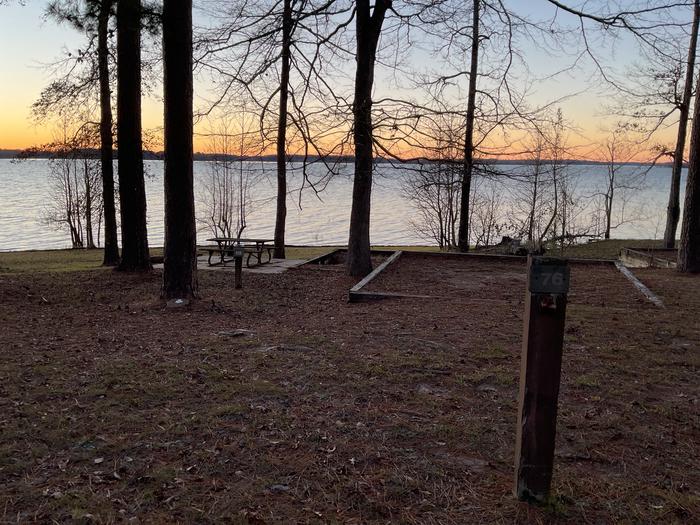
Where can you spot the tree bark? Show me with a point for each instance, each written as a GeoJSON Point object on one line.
{"type": "Point", "coordinates": [468, 165]}
{"type": "Point", "coordinates": [689, 248]}
{"type": "Point", "coordinates": [111, 252]}
{"type": "Point", "coordinates": [368, 29]}
{"type": "Point", "coordinates": [132, 194]}
{"type": "Point", "coordinates": [281, 216]}
{"type": "Point", "coordinates": [674, 211]}
{"type": "Point", "coordinates": [180, 254]}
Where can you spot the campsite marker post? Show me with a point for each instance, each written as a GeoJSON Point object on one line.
{"type": "Point", "coordinates": [540, 372]}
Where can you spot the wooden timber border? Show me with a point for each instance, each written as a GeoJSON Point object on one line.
{"type": "Point", "coordinates": [639, 285]}
{"type": "Point", "coordinates": [648, 258]}
{"type": "Point", "coordinates": [358, 293]}
{"type": "Point", "coordinates": [326, 258]}
{"type": "Point", "coordinates": [333, 256]}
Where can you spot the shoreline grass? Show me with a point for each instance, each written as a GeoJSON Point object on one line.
{"type": "Point", "coordinates": [70, 260]}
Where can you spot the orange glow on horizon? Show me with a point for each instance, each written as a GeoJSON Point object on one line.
{"type": "Point", "coordinates": [18, 132]}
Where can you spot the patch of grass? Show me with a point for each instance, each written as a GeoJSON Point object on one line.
{"type": "Point", "coordinates": [493, 352]}
{"type": "Point", "coordinates": [501, 375]}
{"type": "Point", "coordinates": [255, 387]}
{"type": "Point", "coordinates": [409, 248]}
{"type": "Point", "coordinates": [262, 387]}
{"type": "Point", "coordinates": [556, 505]}
{"type": "Point", "coordinates": [56, 260]}
{"type": "Point", "coordinates": [306, 252]}
{"type": "Point", "coordinates": [448, 430]}
{"type": "Point", "coordinates": [50, 261]}
{"type": "Point", "coordinates": [311, 340]}
{"type": "Point", "coordinates": [375, 370]}
{"type": "Point", "coordinates": [228, 410]}
{"type": "Point", "coordinates": [587, 381]}
{"type": "Point", "coordinates": [80, 260]}
{"type": "Point", "coordinates": [82, 507]}
{"type": "Point", "coordinates": [605, 249]}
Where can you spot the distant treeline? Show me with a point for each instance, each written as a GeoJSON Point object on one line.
{"type": "Point", "coordinates": [158, 155]}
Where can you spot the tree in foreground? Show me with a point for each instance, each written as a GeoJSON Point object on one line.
{"type": "Point", "coordinates": [281, 211]}
{"type": "Point", "coordinates": [87, 78]}
{"type": "Point", "coordinates": [111, 253]}
{"type": "Point", "coordinates": [132, 192]}
{"type": "Point", "coordinates": [468, 166]}
{"type": "Point", "coordinates": [674, 211]}
{"type": "Point", "coordinates": [180, 256]}
{"type": "Point", "coordinates": [368, 29]}
{"type": "Point", "coordinates": [689, 249]}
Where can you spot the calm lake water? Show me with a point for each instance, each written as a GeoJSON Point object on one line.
{"type": "Point", "coordinates": [320, 220]}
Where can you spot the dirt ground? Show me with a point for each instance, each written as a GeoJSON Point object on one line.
{"type": "Point", "coordinates": [282, 403]}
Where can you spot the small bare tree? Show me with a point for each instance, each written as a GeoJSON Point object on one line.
{"type": "Point", "coordinates": [487, 219]}
{"type": "Point", "coordinates": [624, 178]}
{"type": "Point", "coordinates": [75, 203]}
{"type": "Point", "coordinates": [531, 193]}
{"type": "Point", "coordinates": [434, 186]}
{"type": "Point", "coordinates": [559, 213]}
{"type": "Point", "coordinates": [556, 166]}
{"type": "Point", "coordinates": [433, 189]}
{"type": "Point", "coordinates": [226, 194]}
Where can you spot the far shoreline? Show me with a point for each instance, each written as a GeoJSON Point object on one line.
{"type": "Point", "coordinates": [16, 154]}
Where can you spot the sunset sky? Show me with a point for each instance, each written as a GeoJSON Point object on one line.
{"type": "Point", "coordinates": [29, 43]}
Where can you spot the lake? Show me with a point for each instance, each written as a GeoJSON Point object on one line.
{"type": "Point", "coordinates": [318, 219]}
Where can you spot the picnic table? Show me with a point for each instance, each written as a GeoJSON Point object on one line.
{"type": "Point", "coordinates": [254, 248]}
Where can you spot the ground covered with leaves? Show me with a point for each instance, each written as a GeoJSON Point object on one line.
{"type": "Point", "coordinates": [282, 403]}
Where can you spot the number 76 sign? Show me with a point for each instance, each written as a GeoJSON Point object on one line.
{"type": "Point", "coordinates": [548, 275]}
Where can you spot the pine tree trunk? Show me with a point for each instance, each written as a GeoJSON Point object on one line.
{"type": "Point", "coordinates": [689, 248]}
{"type": "Point", "coordinates": [281, 216]}
{"type": "Point", "coordinates": [132, 194]}
{"type": "Point", "coordinates": [111, 252]}
{"type": "Point", "coordinates": [368, 29]}
{"type": "Point", "coordinates": [674, 211]}
{"type": "Point", "coordinates": [468, 165]}
{"type": "Point", "coordinates": [180, 255]}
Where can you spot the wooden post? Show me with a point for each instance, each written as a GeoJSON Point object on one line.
{"type": "Point", "coordinates": [543, 339]}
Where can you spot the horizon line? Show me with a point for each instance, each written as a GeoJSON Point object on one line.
{"type": "Point", "coordinates": [19, 154]}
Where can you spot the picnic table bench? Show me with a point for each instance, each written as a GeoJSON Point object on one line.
{"type": "Point", "coordinates": [257, 249]}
